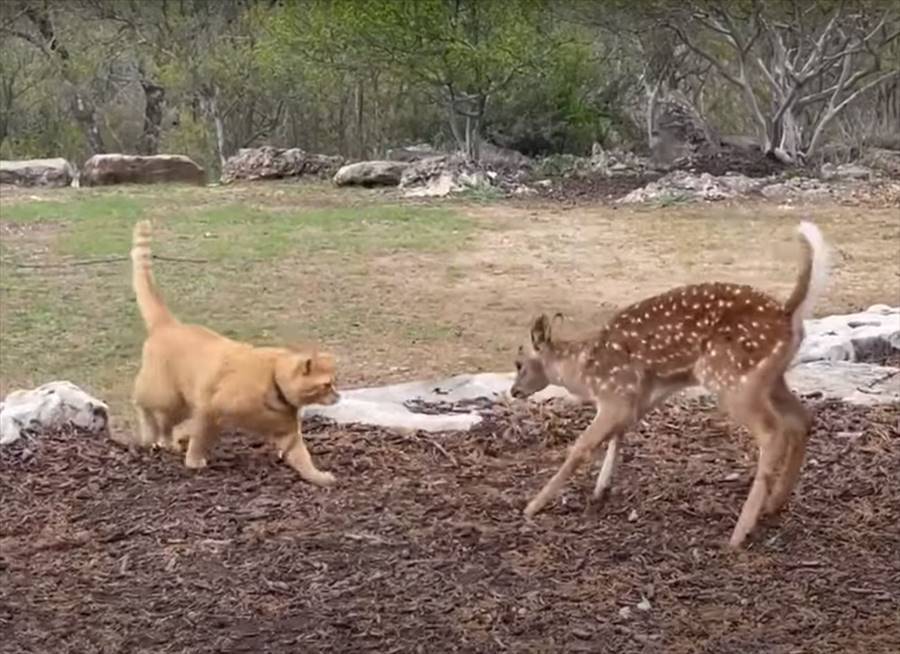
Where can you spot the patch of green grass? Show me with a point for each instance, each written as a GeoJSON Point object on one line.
{"type": "Point", "coordinates": [235, 231]}
{"type": "Point", "coordinates": [75, 210]}
{"type": "Point", "coordinates": [100, 225]}
{"type": "Point", "coordinates": [670, 200]}
{"type": "Point", "coordinates": [483, 193]}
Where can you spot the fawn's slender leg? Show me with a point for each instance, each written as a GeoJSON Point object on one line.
{"type": "Point", "coordinates": [611, 460]}
{"type": "Point", "coordinates": [292, 448]}
{"type": "Point", "coordinates": [611, 418]}
{"type": "Point", "coordinates": [765, 425]}
{"type": "Point", "coordinates": [796, 424]}
{"type": "Point", "coordinates": [608, 469]}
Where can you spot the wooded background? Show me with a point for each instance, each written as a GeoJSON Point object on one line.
{"type": "Point", "coordinates": [354, 77]}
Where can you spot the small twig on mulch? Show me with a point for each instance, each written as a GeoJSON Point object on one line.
{"type": "Point", "coordinates": [440, 448]}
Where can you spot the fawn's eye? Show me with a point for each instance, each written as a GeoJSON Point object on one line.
{"type": "Point", "coordinates": [518, 366]}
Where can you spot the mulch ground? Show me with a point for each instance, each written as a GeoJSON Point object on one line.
{"type": "Point", "coordinates": [423, 548]}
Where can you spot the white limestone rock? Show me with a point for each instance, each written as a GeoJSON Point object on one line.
{"type": "Point", "coordinates": [859, 336]}
{"type": "Point", "coordinates": [48, 407]}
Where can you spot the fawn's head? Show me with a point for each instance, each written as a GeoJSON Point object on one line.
{"type": "Point", "coordinates": [531, 372]}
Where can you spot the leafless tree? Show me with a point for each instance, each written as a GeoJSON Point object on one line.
{"type": "Point", "coordinates": [799, 64]}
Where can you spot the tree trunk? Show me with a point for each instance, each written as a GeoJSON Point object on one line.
{"type": "Point", "coordinates": [791, 140]}
{"type": "Point", "coordinates": [220, 133]}
{"type": "Point", "coordinates": [458, 136]}
{"type": "Point", "coordinates": [360, 121]}
{"type": "Point", "coordinates": [154, 100]}
{"type": "Point", "coordinates": [652, 101]}
{"type": "Point", "coordinates": [210, 103]}
{"type": "Point", "coordinates": [86, 116]}
{"type": "Point", "coordinates": [469, 138]}
{"type": "Point", "coordinates": [342, 125]}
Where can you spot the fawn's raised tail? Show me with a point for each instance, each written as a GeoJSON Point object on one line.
{"type": "Point", "coordinates": [813, 276]}
{"type": "Point", "coordinates": [153, 310]}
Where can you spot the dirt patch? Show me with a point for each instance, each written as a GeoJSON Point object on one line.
{"type": "Point", "coordinates": [722, 163]}
{"type": "Point", "coordinates": [422, 547]}
{"type": "Point", "coordinates": [592, 187]}
{"type": "Point", "coordinates": [38, 229]}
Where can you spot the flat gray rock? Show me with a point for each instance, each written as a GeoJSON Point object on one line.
{"type": "Point", "coordinates": [854, 383]}
{"type": "Point", "coordinates": [385, 406]}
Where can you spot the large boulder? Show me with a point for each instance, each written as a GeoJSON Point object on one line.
{"type": "Point", "coordinates": [37, 172]}
{"type": "Point", "coordinates": [681, 132]}
{"type": "Point", "coordinates": [49, 407]}
{"type": "Point", "coordinates": [107, 169]}
{"type": "Point", "coordinates": [441, 175]}
{"type": "Point", "coordinates": [370, 173]}
{"type": "Point", "coordinates": [269, 162]}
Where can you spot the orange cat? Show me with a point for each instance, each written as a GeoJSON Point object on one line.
{"type": "Point", "coordinates": [194, 383]}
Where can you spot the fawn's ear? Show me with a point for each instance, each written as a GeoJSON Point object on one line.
{"type": "Point", "coordinates": [540, 331]}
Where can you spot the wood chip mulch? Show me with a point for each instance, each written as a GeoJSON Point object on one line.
{"type": "Point", "coordinates": [422, 546]}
